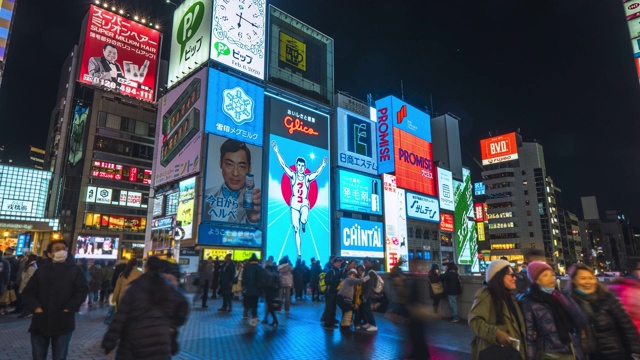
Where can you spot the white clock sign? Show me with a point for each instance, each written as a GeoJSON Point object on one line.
{"type": "Point", "coordinates": [238, 35]}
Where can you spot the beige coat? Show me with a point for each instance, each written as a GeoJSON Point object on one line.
{"type": "Point", "coordinates": [123, 283]}
{"type": "Point", "coordinates": [482, 320]}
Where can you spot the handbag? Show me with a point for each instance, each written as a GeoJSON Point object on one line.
{"type": "Point", "coordinates": [437, 288]}
{"type": "Point", "coordinates": [8, 297]}
{"type": "Point", "coordinates": [499, 352]}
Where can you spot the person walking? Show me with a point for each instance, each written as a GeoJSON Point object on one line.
{"type": "Point", "coordinates": [346, 299]}
{"type": "Point", "coordinates": [149, 314]}
{"type": "Point", "coordinates": [610, 333]}
{"type": "Point", "coordinates": [452, 284]}
{"type": "Point", "coordinates": [106, 289]}
{"type": "Point", "coordinates": [126, 277]}
{"type": "Point", "coordinates": [314, 279]}
{"type": "Point", "coordinates": [298, 279]}
{"type": "Point", "coordinates": [54, 294]}
{"type": "Point", "coordinates": [551, 319]}
{"type": "Point", "coordinates": [227, 274]}
{"type": "Point", "coordinates": [205, 273]}
{"type": "Point", "coordinates": [436, 290]}
{"type": "Point", "coordinates": [332, 279]}
{"type": "Point", "coordinates": [95, 282]}
{"type": "Point", "coordinates": [368, 293]}
{"type": "Point", "coordinates": [495, 316]}
{"type": "Point", "coordinates": [271, 293]}
{"type": "Point", "coordinates": [286, 282]}
{"type": "Point", "coordinates": [252, 283]}
{"type": "Point", "coordinates": [628, 291]}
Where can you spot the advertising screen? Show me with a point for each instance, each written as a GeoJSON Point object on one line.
{"type": "Point", "coordinates": [634, 27]}
{"type": "Point", "coordinates": [361, 238]}
{"type": "Point", "coordinates": [23, 191]}
{"type": "Point", "coordinates": [180, 122]}
{"type": "Point", "coordinates": [120, 55]}
{"type": "Point", "coordinates": [191, 38]}
{"type": "Point", "coordinates": [220, 234]}
{"type": "Point", "coordinates": [359, 193]}
{"type": "Point", "coordinates": [118, 197]}
{"type": "Point", "coordinates": [7, 7]}
{"type": "Point", "coordinates": [356, 142]}
{"type": "Point", "coordinates": [158, 205]}
{"type": "Point", "coordinates": [480, 228]}
{"type": "Point", "coordinates": [242, 255]}
{"type": "Point", "coordinates": [423, 208]}
{"type": "Point", "coordinates": [233, 178]}
{"type": "Point", "coordinates": [186, 209]}
{"type": "Point", "coordinates": [479, 189]}
{"type": "Point", "coordinates": [445, 189]}
{"type": "Point", "coordinates": [298, 183]}
{"type": "Point", "coordinates": [395, 220]}
{"type": "Point", "coordinates": [414, 165]}
{"type": "Point", "coordinates": [499, 149]}
{"type": "Point", "coordinates": [171, 206]}
{"type": "Point", "coordinates": [238, 35]}
{"type": "Point", "coordinates": [235, 108]}
{"type": "Point", "coordinates": [111, 171]}
{"type": "Point", "coordinates": [96, 247]}
{"type": "Point", "coordinates": [465, 227]}
{"type": "Point", "coordinates": [632, 9]}
{"type": "Point", "coordinates": [76, 138]}
{"type": "Point", "coordinates": [479, 212]}
{"type": "Point", "coordinates": [219, 253]}
{"type": "Point", "coordinates": [446, 222]}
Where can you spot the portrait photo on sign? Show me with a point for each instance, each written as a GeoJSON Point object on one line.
{"type": "Point", "coordinates": [233, 181]}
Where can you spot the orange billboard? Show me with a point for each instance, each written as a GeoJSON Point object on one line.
{"type": "Point", "coordinates": [499, 148]}
{"type": "Point", "coordinates": [414, 163]}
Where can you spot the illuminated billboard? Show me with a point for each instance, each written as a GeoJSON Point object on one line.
{"type": "Point", "coordinates": [96, 247]}
{"type": "Point", "coordinates": [395, 221]}
{"type": "Point", "coordinates": [394, 113]}
{"type": "Point", "coordinates": [300, 57]}
{"type": "Point", "coordinates": [186, 209]}
{"type": "Point", "coordinates": [356, 142]}
{"type": "Point", "coordinates": [109, 196]}
{"type": "Point", "coordinates": [76, 138]}
{"type": "Point", "coordinates": [298, 183]}
{"type": "Point", "coordinates": [191, 38]}
{"type": "Point", "coordinates": [233, 178]}
{"type": "Point", "coordinates": [23, 191]}
{"type": "Point", "coordinates": [220, 234]}
{"type": "Point", "coordinates": [479, 212]}
{"type": "Point", "coordinates": [6, 16]}
{"type": "Point", "coordinates": [499, 149]}
{"type": "Point", "coordinates": [480, 229]}
{"type": "Point", "coordinates": [361, 238]}
{"type": "Point", "coordinates": [414, 168]}
{"type": "Point", "coordinates": [179, 138]}
{"type": "Point", "coordinates": [422, 208]}
{"type": "Point", "coordinates": [479, 189]}
{"type": "Point", "coordinates": [111, 171]}
{"type": "Point", "coordinates": [120, 55]}
{"type": "Point", "coordinates": [445, 189]}
{"type": "Point", "coordinates": [238, 35]}
{"type": "Point", "coordinates": [634, 27]}
{"type": "Point", "coordinates": [632, 9]}
{"type": "Point", "coordinates": [446, 222]}
{"type": "Point", "coordinates": [465, 227]}
{"type": "Point", "coordinates": [359, 193]}
{"type": "Point", "coordinates": [235, 108]}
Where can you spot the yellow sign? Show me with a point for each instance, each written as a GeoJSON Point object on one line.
{"type": "Point", "coordinates": [220, 253]}
{"type": "Point", "coordinates": [481, 236]}
{"type": "Point", "coordinates": [241, 255]}
{"type": "Point", "coordinates": [293, 51]}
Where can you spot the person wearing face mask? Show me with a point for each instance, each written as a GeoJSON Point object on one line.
{"type": "Point", "coordinates": [551, 318]}
{"type": "Point", "coordinates": [54, 294]}
{"type": "Point", "coordinates": [609, 333]}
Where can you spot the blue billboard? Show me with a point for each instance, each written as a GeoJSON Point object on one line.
{"type": "Point", "coordinates": [393, 112]}
{"type": "Point", "coordinates": [479, 189]}
{"type": "Point", "coordinates": [361, 238]}
{"type": "Point", "coordinates": [235, 108]}
{"type": "Point", "coordinates": [356, 142]}
{"type": "Point", "coordinates": [216, 234]}
{"type": "Point", "coordinates": [423, 208]}
{"type": "Point", "coordinates": [359, 193]}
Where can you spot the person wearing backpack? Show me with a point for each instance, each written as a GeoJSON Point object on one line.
{"type": "Point", "coordinates": [452, 284]}
{"type": "Point", "coordinates": [374, 282]}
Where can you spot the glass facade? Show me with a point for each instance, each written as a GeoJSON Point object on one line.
{"type": "Point", "coordinates": [23, 192]}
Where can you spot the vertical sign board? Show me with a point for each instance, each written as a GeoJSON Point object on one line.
{"type": "Point", "coordinates": [361, 238]}
{"type": "Point", "coordinates": [465, 227]}
{"type": "Point", "coordinates": [358, 193]}
{"type": "Point", "coordinates": [395, 224]}
{"type": "Point", "coordinates": [298, 182]}
{"type": "Point", "coordinates": [235, 108]}
{"type": "Point", "coordinates": [238, 35]}
{"type": "Point", "coordinates": [479, 189]}
{"type": "Point", "coordinates": [120, 55]}
{"type": "Point", "coordinates": [233, 182]}
{"type": "Point", "coordinates": [191, 40]}
{"type": "Point", "coordinates": [414, 165]}
{"type": "Point", "coordinates": [179, 131]}
{"type": "Point", "coordinates": [445, 189]}
{"type": "Point", "coordinates": [356, 142]}
{"type": "Point", "coordinates": [186, 209]}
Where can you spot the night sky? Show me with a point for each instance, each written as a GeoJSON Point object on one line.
{"type": "Point", "coordinates": [562, 71]}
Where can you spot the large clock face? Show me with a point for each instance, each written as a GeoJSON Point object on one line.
{"type": "Point", "coordinates": [241, 20]}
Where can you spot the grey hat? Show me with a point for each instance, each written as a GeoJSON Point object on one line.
{"type": "Point", "coordinates": [494, 267]}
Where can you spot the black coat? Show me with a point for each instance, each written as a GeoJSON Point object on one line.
{"type": "Point", "coordinates": [142, 328]}
{"type": "Point", "coordinates": [298, 277]}
{"type": "Point", "coordinates": [452, 283]}
{"type": "Point", "coordinates": [315, 274]}
{"type": "Point", "coordinates": [55, 287]}
{"type": "Point", "coordinates": [253, 279]}
{"type": "Point", "coordinates": [227, 274]}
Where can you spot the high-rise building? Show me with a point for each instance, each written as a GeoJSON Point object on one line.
{"type": "Point", "coordinates": [7, 9]}
{"type": "Point", "coordinates": [36, 157]}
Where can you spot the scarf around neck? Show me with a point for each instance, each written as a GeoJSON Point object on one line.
{"type": "Point", "coordinates": [564, 324]}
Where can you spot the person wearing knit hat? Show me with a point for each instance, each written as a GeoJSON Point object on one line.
{"type": "Point", "coordinates": [536, 268]}
{"type": "Point", "coordinates": [495, 316]}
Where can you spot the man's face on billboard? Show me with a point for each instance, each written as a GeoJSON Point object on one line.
{"type": "Point", "coordinates": [110, 53]}
{"type": "Point", "coordinates": [234, 166]}
{"type": "Point", "coordinates": [301, 167]}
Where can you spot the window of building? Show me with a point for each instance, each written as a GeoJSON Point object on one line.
{"type": "Point", "coordinates": [528, 212]}
{"type": "Point", "coordinates": [526, 202]}
{"type": "Point", "coordinates": [531, 234]}
{"type": "Point", "coordinates": [524, 172]}
{"type": "Point", "coordinates": [113, 121]}
{"type": "Point", "coordinates": [142, 128]}
{"type": "Point", "coordinates": [530, 223]}
{"type": "Point", "coordinates": [526, 192]}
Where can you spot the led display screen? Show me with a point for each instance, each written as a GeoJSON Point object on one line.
{"type": "Point", "coordinates": [479, 189]}
{"type": "Point", "coordinates": [445, 189]}
{"type": "Point", "coordinates": [465, 227]}
{"type": "Point", "coordinates": [119, 55]}
{"type": "Point", "coordinates": [96, 247]}
{"type": "Point", "coordinates": [414, 166]}
{"type": "Point", "coordinates": [356, 142]}
{"type": "Point", "coordinates": [76, 138]}
{"type": "Point", "coordinates": [395, 219]}
{"type": "Point", "coordinates": [109, 196]}
{"type": "Point", "coordinates": [446, 222]}
{"type": "Point", "coordinates": [184, 216]}
{"type": "Point", "coordinates": [220, 234]}
{"type": "Point", "coordinates": [359, 193]}
{"type": "Point", "coordinates": [111, 171]}
{"type": "Point", "coordinates": [499, 149]}
{"type": "Point", "coordinates": [361, 238]}
{"type": "Point", "coordinates": [423, 208]}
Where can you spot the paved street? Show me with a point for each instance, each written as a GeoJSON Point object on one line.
{"type": "Point", "coordinates": [209, 334]}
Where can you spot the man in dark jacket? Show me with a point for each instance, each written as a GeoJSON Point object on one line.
{"type": "Point", "coordinates": [371, 280]}
{"type": "Point", "coordinates": [315, 279]}
{"type": "Point", "coordinates": [226, 282]}
{"type": "Point", "coordinates": [332, 279]}
{"type": "Point", "coordinates": [452, 284]}
{"type": "Point", "coordinates": [54, 294]}
{"type": "Point", "coordinates": [253, 277]}
{"type": "Point", "coordinates": [205, 272]}
{"type": "Point", "coordinates": [5, 273]}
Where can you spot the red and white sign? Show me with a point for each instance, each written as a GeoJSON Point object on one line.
{"type": "Point", "coordinates": [120, 55]}
{"type": "Point", "coordinates": [446, 222]}
{"type": "Point", "coordinates": [413, 163]}
{"type": "Point", "coordinates": [499, 149]}
{"type": "Point", "coordinates": [632, 9]}
{"type": "Point", "coordinates": [479, 210]}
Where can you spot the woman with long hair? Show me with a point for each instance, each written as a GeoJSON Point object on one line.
{"type": "Point", "coordinates": [495, 316]}
{"type": "Point", "coordinates": [149, 313]}
{"type": "Point", "coordinates": [127, 276]}
{"type": "Point", "coordinates": [609, 333]}
{"type": "Point", "coordinates": [436, 291]}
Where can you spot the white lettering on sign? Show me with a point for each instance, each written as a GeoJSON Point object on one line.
{"type": "Point", "coordinates": [498, 148]}
{"type": "Point", "coordinates": [356, 236]}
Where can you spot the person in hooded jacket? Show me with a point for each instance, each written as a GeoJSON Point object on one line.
{"type": "Point", "coordinates": [148, 316]}
{"type": "Point", "coordinates": [452, 284]}
{"type": "Point", "coordinates": [609, 333]}
{"type": "Point", "coordinates": [551, 318]}
{"type": "Point", "coordinates": [54, 294]}
{"type": "Point", "coordinates": [286, 281]}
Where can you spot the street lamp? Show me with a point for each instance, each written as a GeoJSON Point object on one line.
{"type": "Point", "coordinates": [56, 236]}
